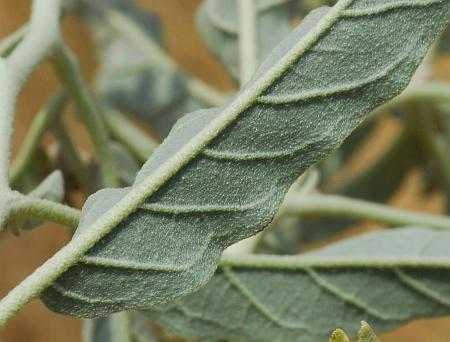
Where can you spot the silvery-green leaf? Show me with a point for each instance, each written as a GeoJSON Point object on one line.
{"type": "Point", "coordinates": [126, 164]}
{"type": "Point", "coordinates": [52, 189]}
{"type": "Point", "coordinates": [218, 23]}
{"type": "Point", "coordinates": [129, 81]}
{"type": "Point", "coordinates": [222, 173]}
{"type": "Point", "coordinates": [37, 170]}
{"type": "Point", "coordinates": [387, 278]}
{"type": "Point", "coordinates": [121, 327]}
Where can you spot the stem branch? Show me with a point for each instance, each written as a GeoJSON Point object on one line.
{"type": "Point", "coordinates": [248, 51]}
{"type": "Point", "coordinates": [33, 207]}
{"type": "Point", "coordinates": [69, 72]}
{"type": "Point", "coordinates": [315, 205]}
{"type": "Point", "coordinates": [16, 68]}
{"type": "Point", "coordinates": [42, 120]}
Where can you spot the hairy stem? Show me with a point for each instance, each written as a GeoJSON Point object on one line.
{"type": "Point", "coordinates": [69, 72]}
{"type": "Point", "coordinates": [42, 120]}
{"type": "Point", "coordinates": [430, 91]}
{"type": "Point", "coordinates": [28, 206]}
{"type": "Point", "coordinates": [316, 205]}
{"type": "Point", "coordinates": [248, 52]}
{"type": "Point", "coordinates": [131, 136]}
{"type": "Point", "coordinates": [39, 41]}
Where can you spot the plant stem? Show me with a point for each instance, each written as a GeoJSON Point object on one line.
{"type": "Point", "coordinates": [316, 205]}
{"type": "Point", "coordinates": [33, 207]}
{"type": "Point", "coordinates": [69, 72]}
{"type": "Point", "coordinates": [121, 24]}
{"type": "Point", "coordinates": [8, 44]}
{"type": "Point", "coordinates": [430, 91]}
{"type": "Point", "coordinates": [15, 69]}
{"type": "Point", "coordinates": [131, 136]}
{"type": "Point", "coordinates": [205, 93]}
{"type": "Point", "coordinates": [248, 51]}
{"type": "Point", "coordinates": [71, 156]}
{"type": "Point", "coordinates": [42, 120]}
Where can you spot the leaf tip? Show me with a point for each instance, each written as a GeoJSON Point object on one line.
{"type": "Point", "coordinates": [366, 333]}
{"type": "Point", "coordinates": [339, 336]}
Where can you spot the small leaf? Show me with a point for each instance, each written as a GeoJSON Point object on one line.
{"type": "Point", "coordinates": [222, 173]}
{"type": "Point", "coordinates": [126, 164]}
{"type": "Point", "coordinates": [52, 189]}
{"type": "Point", "coordinates": [129, 81]}
{"type": "Point", "coordinates": [218, 23]}
{"type": "Point", "coordinates": [387, 278]}
{"type": "Point", "coordinates": [366, 333]}
{"type": "Point", "coordinates": [339, 336]}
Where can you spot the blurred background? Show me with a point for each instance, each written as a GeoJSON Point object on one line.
{"type": "Point", "coordinates": [19, 256]}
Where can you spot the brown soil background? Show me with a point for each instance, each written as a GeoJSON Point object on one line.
{"type": "Point", "coordinates": [19, 256]}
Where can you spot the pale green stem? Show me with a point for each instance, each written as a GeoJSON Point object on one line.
{"type": "Point", "coordinates": [16, 68]}
{"type": "Point", "coordinates": [71, 156]}
{"type": "Point", "coordinates": [248, 49]}
{"type": "Point", "coordinates": [305, 262]}
{"type": "Point", "coordinates": [121, 326]}
{"type": "Point", "coordinates": [430, 91]}
{"type": "Point", "coordinates": [131, 136]}
{"type": "Point", "coordinates": [33, 207]}
{"type": "Point", "coordinates": [41, 122]}
{"type": "Point", "coordinates": [149, 48]}
{"type": "Point", "coordinates": [69, 72]}
{"type": "Point", "coordinates": [248, 62]}
{"type": "Point", "coordinates": [315, 205]}
{"type": "Point", "coordinates": [205, 93]}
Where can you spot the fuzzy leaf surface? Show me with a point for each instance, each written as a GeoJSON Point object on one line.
{"type": "Point", "coordinates": [222, 173]}
{"type": "Point", "coordinates": [218, 23]}
{"type": "Point", "coordinates": [387, 277]}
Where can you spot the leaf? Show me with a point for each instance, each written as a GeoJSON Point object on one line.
{"type": "Point", "coordinates": [129, 81]}
{"type": "Point", "coordinates": [120, 327]}
{"type": "Point", "coordinates": [222, 173]}
{"type": "Point", "coordinates": [125, 162]}
{"type": "Point", "coordinates": [387, 278]}
{"type": "Point", "coordinates": [218, 24]}
{"type": "Point", "coordinates": [52, 189]}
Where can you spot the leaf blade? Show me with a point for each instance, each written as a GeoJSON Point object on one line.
{"type": "Point", "coordinates": [211, 200]}
{"type": "Point", "coordinates": [298, 298]}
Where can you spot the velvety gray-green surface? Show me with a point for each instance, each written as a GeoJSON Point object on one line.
{"type": "Point", "coordinates": [218, 24]}
{"type": "Point", "coordinates": [227, 169]}
{"type": "Point", "coordinates": [385, 278]}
